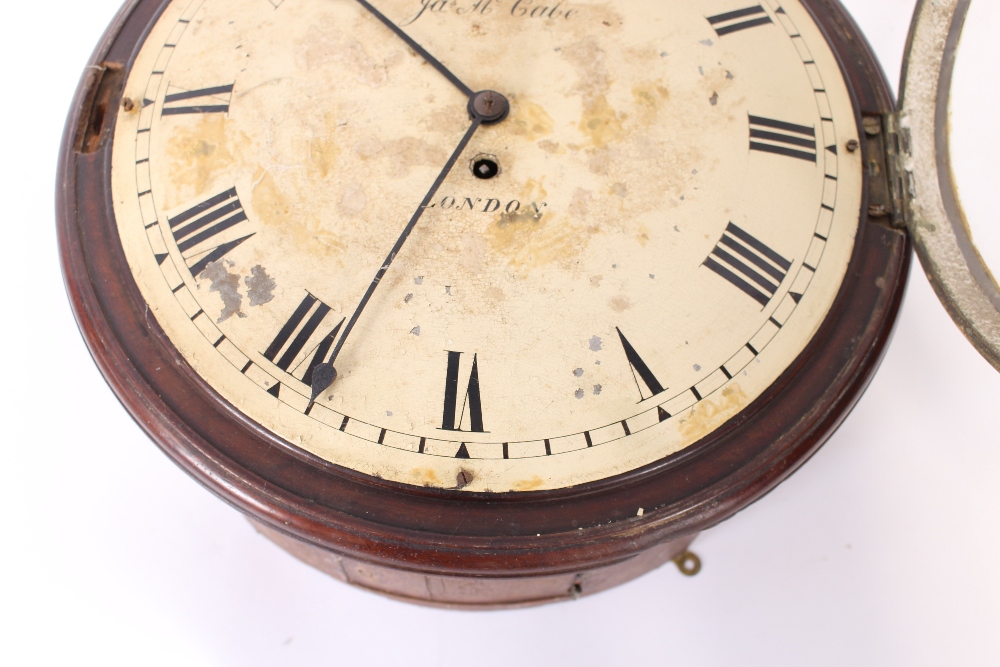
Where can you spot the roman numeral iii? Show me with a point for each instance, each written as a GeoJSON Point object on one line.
{"type": "Point", "coordinates": [204, 223]}
{"type": "Point", "coordinates": [741, 19]}
{"type": "Point", "coordinates": [748, 264]}
{"type": "Point", "coordinates": [473, 399]}
{"type": "Point", "coordinates": [781, 138]}
{"type": "Point", "coordinates": [204, 100]}
{"type": "Point", "coordinates": [287, 347]}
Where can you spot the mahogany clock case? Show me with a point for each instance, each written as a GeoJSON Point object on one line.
{"type": "Point", "coordinates": [322, 508]}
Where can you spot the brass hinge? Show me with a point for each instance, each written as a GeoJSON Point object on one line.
{"type": "Point", "coordinates": [890, 184]}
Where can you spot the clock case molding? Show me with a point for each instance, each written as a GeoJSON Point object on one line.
{"type": "Point", "coordinates": [453, 548]}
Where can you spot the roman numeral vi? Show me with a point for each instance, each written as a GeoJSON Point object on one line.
{"type": "Point", "coordinates": [473, 399]}
{"type": "Point", "coordinates": [748, 264]}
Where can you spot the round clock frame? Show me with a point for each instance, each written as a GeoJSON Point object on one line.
{"type": "Point", "coordinates": [455, 548]}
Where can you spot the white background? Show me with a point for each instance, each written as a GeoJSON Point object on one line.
{"type": "Point", "coordinates": [882, 550]}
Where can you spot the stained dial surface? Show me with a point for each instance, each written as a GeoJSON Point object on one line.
{"type": "Point", "coordinates": [669, 213]}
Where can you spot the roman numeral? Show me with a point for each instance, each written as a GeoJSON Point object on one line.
{"type": "Point", "coordinates": [640, 371]}
{"type": "Point", "coordinates": [204, 222]}
{"type": "Point", "coordinates": [741, 19]}
{"type": "Point", "coordinates": [286, 350]}
{"type": "Point", "coordinates": [473, 400]}
{"type": "Point", "coordinates": [781, 138]}
{"type": "Point", "coordinates": [204, 100]}
{"type": "Point", "coordinates": [732, 259]}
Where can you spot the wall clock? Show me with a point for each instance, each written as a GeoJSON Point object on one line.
{"type": "Point", "coordinates": [498, 302]}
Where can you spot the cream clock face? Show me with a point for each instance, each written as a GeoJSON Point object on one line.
{"type": "Point", "coordinates": [595, 282]}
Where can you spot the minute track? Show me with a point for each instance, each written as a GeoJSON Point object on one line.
{"type": "Point", "coordinates": [673, 406]}
{"type": "Point", "coordinates": [653, 413]}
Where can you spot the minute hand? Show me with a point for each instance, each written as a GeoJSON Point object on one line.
{"type": "Point", "coordinates": [434, 62]}
{"type": "Point", "coordinates": [324, 374]}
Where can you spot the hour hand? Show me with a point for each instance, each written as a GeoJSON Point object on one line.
{"type": "Point", "coordinates": [434, 62]}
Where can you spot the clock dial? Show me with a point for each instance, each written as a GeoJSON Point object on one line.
{"type": "Point", "coordinates": [594, 282]}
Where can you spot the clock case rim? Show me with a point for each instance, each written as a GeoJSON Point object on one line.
{"type": "Point", "coordinates": [459, 533]}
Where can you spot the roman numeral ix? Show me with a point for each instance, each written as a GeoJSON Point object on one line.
{"type": "Point", "coordinates": [204, 100]}
{"type": "Point", "coordinates": [748, 264]}
{"type": "Point", "coordinates": [473, 399]}
{"type": "Point", "coordinates": [640, 370]}
{"type": "Point", "coordinates": [781, 138]}
{"type": "Point", "coordinates": [741, 19]}
{"type": "Point", "coordinates": [204, 222]}
{"type": "Point", "coordinates": [286, 348]}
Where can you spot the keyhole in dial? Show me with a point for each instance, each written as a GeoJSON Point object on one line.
{"type": "Point", "coordinates": [485, 166]}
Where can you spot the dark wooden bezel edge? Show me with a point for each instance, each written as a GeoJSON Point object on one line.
{"type": "Point", "coordinates": [456, 533]}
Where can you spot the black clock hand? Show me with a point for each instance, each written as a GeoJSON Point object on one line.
{"type": "Point", "coordinates": [485, 108]}
{"type": "Point", "coordinates": [434, 62]}
{"type": "Point", "coordinates": [324, 374]}
{"type": "Point", "coordinates": [406, 233]}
